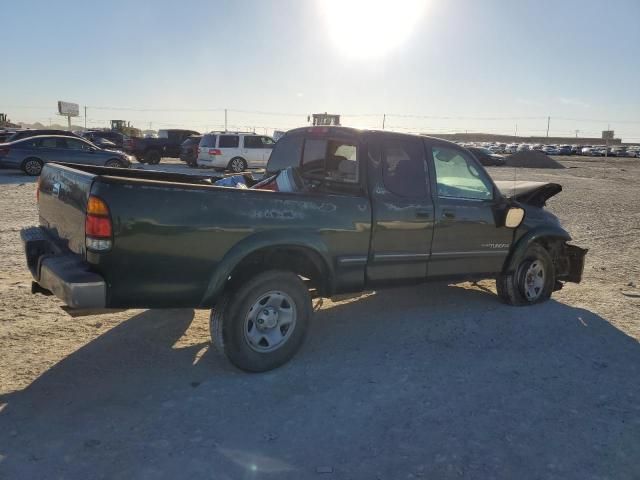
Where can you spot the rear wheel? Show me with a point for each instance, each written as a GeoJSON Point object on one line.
{"type": "Point", "coordinates": [531, 280]}
{"type": "Point", "coordinates": [262, 324]}
{"type": "Point", "coordinates": [237, 165]}
{"type": "Point", "coordinates": [32, 166]}
{"type": "Point", "coordinates": [152, 157]}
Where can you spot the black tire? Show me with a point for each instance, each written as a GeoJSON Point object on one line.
{"type": "Point", "coordinates": [32, 166]}
{"type": "Point", "coordinates": [237, 165]}
{"type": "Point", "coordinates": [513, 287]}
{"type": "Point", "coordinates": [152, 157]}
{"type": "Point", "coordinates": [229, 319]}
{"type": "Point", "coordinates": [114, 163]}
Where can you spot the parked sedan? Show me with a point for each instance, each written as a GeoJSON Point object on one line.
{"type": "Point", "coordinates": [550, 150]}
{"type": "Point", "coordinates": [486, 157]}
{"type": "Point", "coordinates": [30, 154]}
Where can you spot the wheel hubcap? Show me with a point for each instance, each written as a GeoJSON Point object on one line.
{"type": "Point", "coordinates": [270, 322]}
{"type": "Point", "coordinates": [236, 166]}
{"type": "Point", "coordinates": [534, 280]}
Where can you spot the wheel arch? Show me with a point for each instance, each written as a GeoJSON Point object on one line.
{"type": "Point", "coordinates": [305, 255]}
{"type": "Point", "coordinates": [548, 237]}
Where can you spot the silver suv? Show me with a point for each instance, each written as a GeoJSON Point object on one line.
{"type": "Point", "coordinates": [235, 151]}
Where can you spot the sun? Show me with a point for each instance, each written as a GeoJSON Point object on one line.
{"type": "Point", "coordinates": [365, 29]}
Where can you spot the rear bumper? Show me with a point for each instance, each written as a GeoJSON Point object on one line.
{"type": "Point", "coordinates": [65, 274]}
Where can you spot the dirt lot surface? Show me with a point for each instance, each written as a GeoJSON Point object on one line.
{"type": "Point", "coordinates": [436, 381]}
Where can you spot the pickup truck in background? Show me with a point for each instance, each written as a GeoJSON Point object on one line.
{"type": "Point", "coordinates": [151, 150]}
{"type": "Point", "coordinates": [374, 209]}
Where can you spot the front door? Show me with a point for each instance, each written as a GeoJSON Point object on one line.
{"type": "Point", "coordinates": [78, 151]}
{"type": "Point", "coordinates": [403, 210]}
{"type": "Point", "coordinates": [466, 238]}
{"type": "Point", "coordinates": [252, 151]}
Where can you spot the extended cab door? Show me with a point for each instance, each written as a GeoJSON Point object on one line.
{"type": "Point", "coordinates": [467, 238]}
{"type": "Point", "coordinates": [403, 210]}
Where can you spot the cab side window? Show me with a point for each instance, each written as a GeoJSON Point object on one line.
{"type": "Point", "coordinates": [403, 168]}
{"type": "Point", "coordinates": [458, 176]}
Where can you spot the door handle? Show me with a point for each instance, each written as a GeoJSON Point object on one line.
{"type": "Point", "coordinates": [422, 213]}
{"type": "Point", "coordinates": [448, 214]}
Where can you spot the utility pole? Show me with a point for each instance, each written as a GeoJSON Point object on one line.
{"type": "Point", "coordinates": [384, 118]}
{"type": "Point", "coordinates": [577, 131]}
{"type": "Point", "coordinates": [225, 119]}
{"type": "Point", "coordinates": [548, 122]}
{"type": "Point", "coordinates": [85, 117]}
{"type": "Point", "coordinates": [516, 129]}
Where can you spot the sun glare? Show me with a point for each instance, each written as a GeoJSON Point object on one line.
{"type": "Point", "coordinates": [365, 29]}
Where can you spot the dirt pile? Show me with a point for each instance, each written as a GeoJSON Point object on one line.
{"type": "Point", "coordinates": [531, 159]}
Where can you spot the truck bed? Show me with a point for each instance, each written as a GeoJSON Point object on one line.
{"type": "Point", "coordinates": [174, 235]}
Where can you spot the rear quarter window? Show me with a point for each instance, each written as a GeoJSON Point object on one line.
{"type": "Point", "coordinates": [208, 141]}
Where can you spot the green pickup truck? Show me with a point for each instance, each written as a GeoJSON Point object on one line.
{"type": "Point", "coordinates": [372, 209]}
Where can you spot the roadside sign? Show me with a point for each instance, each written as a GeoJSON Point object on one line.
{"type": "Point", "coordinates": [68, 109]}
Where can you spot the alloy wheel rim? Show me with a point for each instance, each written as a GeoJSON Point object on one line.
{"type": "Point", "coordinates": [534, 279]}
{"type": "Point", "coordinates": [32, 167]}
{"type": "Point", "coordinates": [270, 322]}
{"type": "Point", "coordinates": [236, 165]}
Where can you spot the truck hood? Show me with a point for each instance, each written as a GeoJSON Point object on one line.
{"type": "Point", "coordinates": [530, 193]}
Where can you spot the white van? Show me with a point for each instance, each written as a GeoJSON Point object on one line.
{"type": "Point", "coordinates": [234, 151]}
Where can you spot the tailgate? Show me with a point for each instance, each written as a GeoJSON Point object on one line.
{"type": "Point", "coordinates": [63, 194]}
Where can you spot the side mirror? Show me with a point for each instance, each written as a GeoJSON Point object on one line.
{"type": "Point", "coordinates": [515, 216]}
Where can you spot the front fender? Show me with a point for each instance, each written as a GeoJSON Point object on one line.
{"type": "Point", "coordinates": [258, 241]}
{"type": "Point", "coordinates": [521, 246]}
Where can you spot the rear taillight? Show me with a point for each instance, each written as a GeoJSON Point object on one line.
{"type": "Point", "coordinates": [97, 228]}
{"type": "Point", "coordinates": [215, 151]}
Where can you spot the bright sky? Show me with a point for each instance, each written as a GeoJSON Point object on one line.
{"type": "Point", "coordinates": [489, 64]}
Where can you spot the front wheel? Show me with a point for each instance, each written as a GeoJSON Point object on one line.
{"type": "Point", "coordinates": [114, 163]}
{"type": "Point", "coordinates": [262, 324]}
{"type": "Point", "coordinates": [530, 281]}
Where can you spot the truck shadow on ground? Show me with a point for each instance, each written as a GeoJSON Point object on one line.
{"type": "Point", "coordinates": [434, 381]}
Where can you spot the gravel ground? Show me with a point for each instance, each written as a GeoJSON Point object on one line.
{"type": "Point", "coordinates": [436, 381]}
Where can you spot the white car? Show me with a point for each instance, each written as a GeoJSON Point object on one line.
{"type": "Point", "coordinates": [234, 151]}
